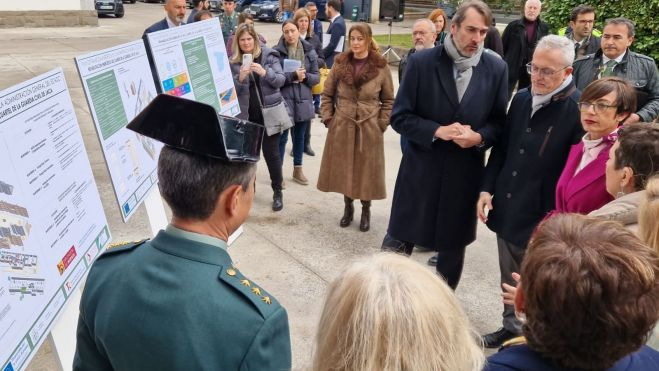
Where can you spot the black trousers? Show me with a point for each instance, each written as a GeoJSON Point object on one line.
{"type": "Point", "coordinates": [270, 148]}
{"type": "Point", "coordinates": [450, 260]}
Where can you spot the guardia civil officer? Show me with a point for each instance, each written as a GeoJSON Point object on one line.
{"type": "Point", "coordinates": [177, 302]}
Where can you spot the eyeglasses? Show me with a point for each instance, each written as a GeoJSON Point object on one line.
{"type": "Point", "coordinates": [542, 72]}
{"type": "Point", "coordinates": [597, 107]}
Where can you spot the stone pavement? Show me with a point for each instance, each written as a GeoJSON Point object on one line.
{"type": "Point", "coordinates": [293, 253]}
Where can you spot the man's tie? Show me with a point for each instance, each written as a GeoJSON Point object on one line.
{"type": "Point", "coordinates": [608, 68]}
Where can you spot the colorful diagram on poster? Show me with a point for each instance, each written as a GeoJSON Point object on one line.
{"type": "Point", "coordinates": [118, 86]}
{"type": "Point", "coordinates": [192, 63]}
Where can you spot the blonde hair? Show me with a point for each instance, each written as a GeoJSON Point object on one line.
{"type": "Point", "coordinates": [648, 214]}
{"type": "Point", "coordinates": [301, 13]}
{"type": "Point", "coordinates": [237, 53]}
{"type": "Point", "coordinates": [388, 312]}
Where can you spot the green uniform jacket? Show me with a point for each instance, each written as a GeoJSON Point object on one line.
{"type": "Point", "coordinates": [177, 304]}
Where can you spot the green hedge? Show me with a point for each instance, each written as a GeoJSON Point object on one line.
{"type": "Point", "coordinates": [644, 14]}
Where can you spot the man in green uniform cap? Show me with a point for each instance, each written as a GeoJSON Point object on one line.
{"type": "Point", "coordinates": [177, 302]}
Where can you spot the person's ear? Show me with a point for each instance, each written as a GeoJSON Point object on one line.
{"type": "Point", "coordinates": [231, 199]}
{"type": "Point", "coordinates": [622, 116]}
{"type": "Point", "coordinates": [627, 180]}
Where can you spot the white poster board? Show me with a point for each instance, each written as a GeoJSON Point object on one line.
{"type": "Point", "coordinates": [118, 86]}
{"type": "Point", "coordinates": [191, 61]}
{"type": "Point", "coordinates": [52, 224]}
{"type": "Point", "coordinates": [339, 46]}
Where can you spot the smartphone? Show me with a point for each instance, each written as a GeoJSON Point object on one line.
{"type": "Point", "coordinates": [247, 60]}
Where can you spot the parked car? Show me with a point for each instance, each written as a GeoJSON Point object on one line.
{"type": "Point", "coordinates": [114, 7]}
{"type": "Point", "coordinates": [216, 6]}
{"type": "Point", "coordinates": [267, 10]}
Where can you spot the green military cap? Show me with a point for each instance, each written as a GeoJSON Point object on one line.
{"type": "Point", "coordinates": [197, 127]}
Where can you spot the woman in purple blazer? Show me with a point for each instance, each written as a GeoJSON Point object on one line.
{"type": "Point", "coordinates": [604, 105]}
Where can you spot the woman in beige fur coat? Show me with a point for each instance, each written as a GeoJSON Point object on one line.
{"type": "Point", "coordinates": [355, 106]}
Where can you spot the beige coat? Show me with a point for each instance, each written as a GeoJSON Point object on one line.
{"type": "Point", "coordinates": [623, 210]}
{"type": "Point", "coordinates": [356, 110]}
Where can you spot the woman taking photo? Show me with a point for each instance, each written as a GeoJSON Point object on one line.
{"type": "Point", "coordinates": [297, 91]}
{"type": "Point", "coordinates": [604, 105]}
{"type": "Point", "coordinates": [258, 84]}
{"type": "Point", "coordinates": [355, 106]}
{"type": "Point", "coordinates": [438, 17]}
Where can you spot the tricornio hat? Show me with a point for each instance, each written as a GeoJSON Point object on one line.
{"type": "Point", "coordinates": [198, 128]}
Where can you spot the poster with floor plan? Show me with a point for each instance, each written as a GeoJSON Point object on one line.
{"type": "Point", "coordinates": [191, 61]}
{"type": "Point", "coordinates": [118, 85]}
{"type": "Point", "coordinates": [52, 224]}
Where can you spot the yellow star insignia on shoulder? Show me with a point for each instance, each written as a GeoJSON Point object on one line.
{"type": "Point", "coordinates": [256, 290]}
{"type": "Point", "coordinates": [267, 300]}
{"type": "Point", "coordinates": [231, 272]}
{"type": "Point", "coordinates": [246, 283]}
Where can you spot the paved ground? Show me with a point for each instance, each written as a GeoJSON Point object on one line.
{"type": "Point", "coordinates": [294, 253]}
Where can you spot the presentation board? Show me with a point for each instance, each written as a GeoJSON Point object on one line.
{"type": "Point", "coordinates": [52, 224]}
{"type": "Point", "coordinates": [118, 85]}
{"type": "Point", "coordinates": [191, 62]}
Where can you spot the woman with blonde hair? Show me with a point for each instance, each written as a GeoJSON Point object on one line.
{"type": "Point", "coordinates": [355, 106]}
{"type": "Point", "coordinates": [438, 17]}
{"type": "Point", "coordinates": [387, 312]}
{"type": "Point", "coordinates": [257, 85]}
{"type": "Point", "coordinates": [648, 219]}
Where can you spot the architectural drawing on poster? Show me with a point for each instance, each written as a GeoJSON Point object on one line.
{"type": "Point", "coordinates": [118, 85]}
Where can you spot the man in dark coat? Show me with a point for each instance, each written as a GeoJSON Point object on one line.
{"type": "Point", "coordinates": [175, 15]}
{"type": "Point", "coordinates": [582, 20]}
{"type": "Point", "coordinates": [519, 39]}
{"type": "Point", "coordinates": [450, 107]}
{"type": "Point", "coordinates": [615, 59]}
{"type": "Point", "coordinates": [336, 30]}
{"type": "Point", "coordinates": [177, 302]}
{"type": "Point", "coordinates": [524, 167]}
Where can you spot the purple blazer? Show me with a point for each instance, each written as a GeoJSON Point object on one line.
{"type": "Point", "coordinates": [585, 191]}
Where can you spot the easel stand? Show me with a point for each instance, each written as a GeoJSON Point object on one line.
{"type": "Point", "coordinates": [390, 51]}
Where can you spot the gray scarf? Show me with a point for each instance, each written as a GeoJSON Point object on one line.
{"type": "Point", "coordinates": [538, 101]}
{"type": "Point", "coordinates": [463, 64]}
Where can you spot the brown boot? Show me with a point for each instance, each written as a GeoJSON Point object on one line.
{"type": "Point", "coordinates": [348, 212]}
{"type": "Point", "coordinates": [298, 175]}
{"type": "Point", "coordinates": [365, 223]}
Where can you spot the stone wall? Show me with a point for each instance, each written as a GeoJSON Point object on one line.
{"type": "Point", "coordinates": [48, 18]}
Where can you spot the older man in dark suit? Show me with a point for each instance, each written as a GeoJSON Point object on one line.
{"type": "Point", "coordinates": [451, 107]}
{"type": "Point", "coordinates": [336, 31]}
{"type": "Point", "coordinates": [175, 15]}
{"type": "Point", "coordinates": [519, 189]}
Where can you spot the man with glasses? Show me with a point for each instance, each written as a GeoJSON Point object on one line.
{"type": "Point", "coordinates": [615, 59]}
{"type": "Point", "coordinates": [582, 20]}
{"type": "Point", "coordinates": [521, 174]}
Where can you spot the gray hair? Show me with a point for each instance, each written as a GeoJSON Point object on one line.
{"type": "Point", "coordinates": [562, 43]}
{"type": "Point", "coordinates": [310, 4]}
{"type": "Point", "coordinates": [427, 22]}
{"type": "Point", "coordinates": [624, 21]}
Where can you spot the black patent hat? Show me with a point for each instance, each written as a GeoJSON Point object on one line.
{"type": "Point", "coordinates": [197, 127]}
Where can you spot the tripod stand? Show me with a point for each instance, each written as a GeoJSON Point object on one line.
{"type": "Point", "coordinates": [390, 51]}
